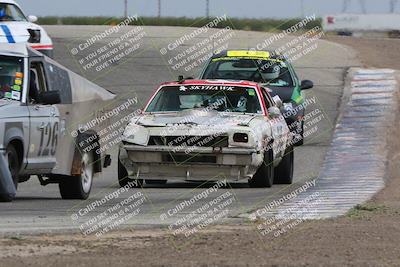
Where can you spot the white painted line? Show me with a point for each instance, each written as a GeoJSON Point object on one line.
{"type": "Point", "coordinates": [354, 167]}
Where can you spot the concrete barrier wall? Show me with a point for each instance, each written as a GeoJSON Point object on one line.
{"type": "Point", "coordinates": [361, 22]}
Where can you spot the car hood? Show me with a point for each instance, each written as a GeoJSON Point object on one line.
{"type": "Point", "coordinates": [19, 28]}
{"type": "Point", "coordinates": [194, 118]}
{"type": "Point", "coordinates": [7, 108]}
{"type": "Point", "coordinates": [196, 123]}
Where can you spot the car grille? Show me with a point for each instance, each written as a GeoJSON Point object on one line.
{"type": "Point", "coordinates": [189, 141]}
{"type": "Point", "coordinates": [182, 159]}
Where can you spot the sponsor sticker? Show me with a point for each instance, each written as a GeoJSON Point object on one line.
{"type": "Point", "coordinates": [259, 54]}
{"type": "Point", "coordinates": [211, 87]}
{"type": "Point", "coordinates": [19, 75]}
{"type": "Point", "coordinates": [15, 95]}
{"type": "Point", "coordinates": [251, 92]}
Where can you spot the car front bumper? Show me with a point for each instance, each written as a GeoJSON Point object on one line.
{"type": "Point", "coordinates": [201, 164]}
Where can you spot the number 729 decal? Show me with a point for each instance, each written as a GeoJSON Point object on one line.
{"type": "Point", "coordinates": [48, 140]}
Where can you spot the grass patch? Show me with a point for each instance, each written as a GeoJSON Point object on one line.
{"type": "Point", "coordinates": [17, 237]}
{"type": "Point", "coordinates": [265, 25]}
{"type": "Point", "coordinates": [363, 210]}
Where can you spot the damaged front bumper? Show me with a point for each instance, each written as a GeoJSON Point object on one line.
{"type": "Point", "coordinates": [200, 163]}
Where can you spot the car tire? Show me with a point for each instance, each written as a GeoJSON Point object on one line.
{"type": "Point", "coordinates": [264, 176]}
{"type": "Point", "coordinates": [124, 179]}
{"type": "Point", "coordinates": [284, 171]}
{"type": "Point", "coordinates": [13, 164]}
{"type": "Point", "coordinates": [79, 187]}
{"type": "Point", "coordinates": [156, 181]}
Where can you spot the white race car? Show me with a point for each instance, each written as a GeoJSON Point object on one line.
{"type": "Point", "coordinates": [41, 103]}
{"type": "Point", "coordinates": [15, 27]}
{"type": "Point", "coordinates": [205, 131]}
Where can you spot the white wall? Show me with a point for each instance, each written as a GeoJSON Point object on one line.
{"type": "Point", "coordinates": [361, 22]}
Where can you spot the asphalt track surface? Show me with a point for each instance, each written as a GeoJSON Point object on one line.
{"type": "Point", "coordinates": [40, 209]}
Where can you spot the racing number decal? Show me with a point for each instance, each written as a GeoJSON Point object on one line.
{"type": "Point", "coordinates": [49, 135]}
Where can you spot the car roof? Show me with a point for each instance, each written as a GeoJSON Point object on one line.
{"type": "Point", "coordinates": [211, 82]}
{"type": "Point", "coordinates": [8, 2]}
{"type": "Point", "coordinates": [238, 53]}
{"type": "Point", "coordinates": [18, 50]}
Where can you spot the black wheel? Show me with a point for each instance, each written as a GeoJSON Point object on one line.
{"type": "Point", "coordinates": [284, 171]}
{"type": "Point", "coordinates": [264, 176]}
{"type": "Point", "coordinates": [79, 187]}
{"type": "Point", "coordinates": [124, 180]}
{"type": "Point", "coordinates": [156, 181]}
{"type": "Point", "coordinates": [13, 164]}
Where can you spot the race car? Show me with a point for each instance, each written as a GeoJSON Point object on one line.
{"type": "Point", "coordinates": [269, 69]}
{"type": "Point", "coordinates": [199, 130]}
{"type": "Point", "coordinates": [41, 103]}
{"type": "Point", "coordinates": [15, 27]}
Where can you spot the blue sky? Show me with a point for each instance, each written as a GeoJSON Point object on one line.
{"type": "Point", "coordinates": [193, 8]}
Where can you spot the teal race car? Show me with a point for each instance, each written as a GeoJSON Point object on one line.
{"type": "Point", "coordinates": [272, 71]}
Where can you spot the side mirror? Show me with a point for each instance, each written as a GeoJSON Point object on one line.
{"type": "Point", "coordinates": [274, 112]}
{"type": "Point", "coordinates": [278, 101]}
{"type": "Point", "coordinates": [32, 18]}
{"type": "Point", "coordinates": [181, 78]}
{"type": "Point", "coordinates": [50, 98]}
{"type": "Point", "coordinates": [306, 84]}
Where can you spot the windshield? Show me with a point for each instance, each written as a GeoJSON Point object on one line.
{"type": "Point", "coordinates": [11, 77]}
{"type": "Point", "coordinates": [10, 12]}
{"type": "Point", "coordinates": [272, 72]}
{"type": "Point", "coordinates": [209, 97]}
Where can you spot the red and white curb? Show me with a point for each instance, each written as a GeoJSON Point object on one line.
{"type": "Point", "coordinates": [355, 165]}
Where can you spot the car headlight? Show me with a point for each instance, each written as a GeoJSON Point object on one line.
{"type": "Point", "coordinates": [35, 36]}
{"type": "Point", "coordinates": [240, 138]}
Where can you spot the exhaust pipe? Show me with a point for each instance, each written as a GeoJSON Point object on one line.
{"type": "Point", "coordinates": [7, 187]}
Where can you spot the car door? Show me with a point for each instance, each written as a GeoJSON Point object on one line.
{"type": "Point", "coordinates": [44, 122]}
{"type": "Point", "coordinates": [278, 126]}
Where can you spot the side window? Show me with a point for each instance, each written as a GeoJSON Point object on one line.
{"type": "Point", "coordinates": [58, 79]}
{"type": "Point", "coordinates": [269, 102]}
{"type": "Point", "coordinates": [37, 82]}
{"type": "Point", "coordinates": [295, 77]}
{"type": "Point", "coordinates": [210, 70]}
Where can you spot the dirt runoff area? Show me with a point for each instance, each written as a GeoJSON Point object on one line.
{"type": "Point", "coordinates": [369, 235]}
